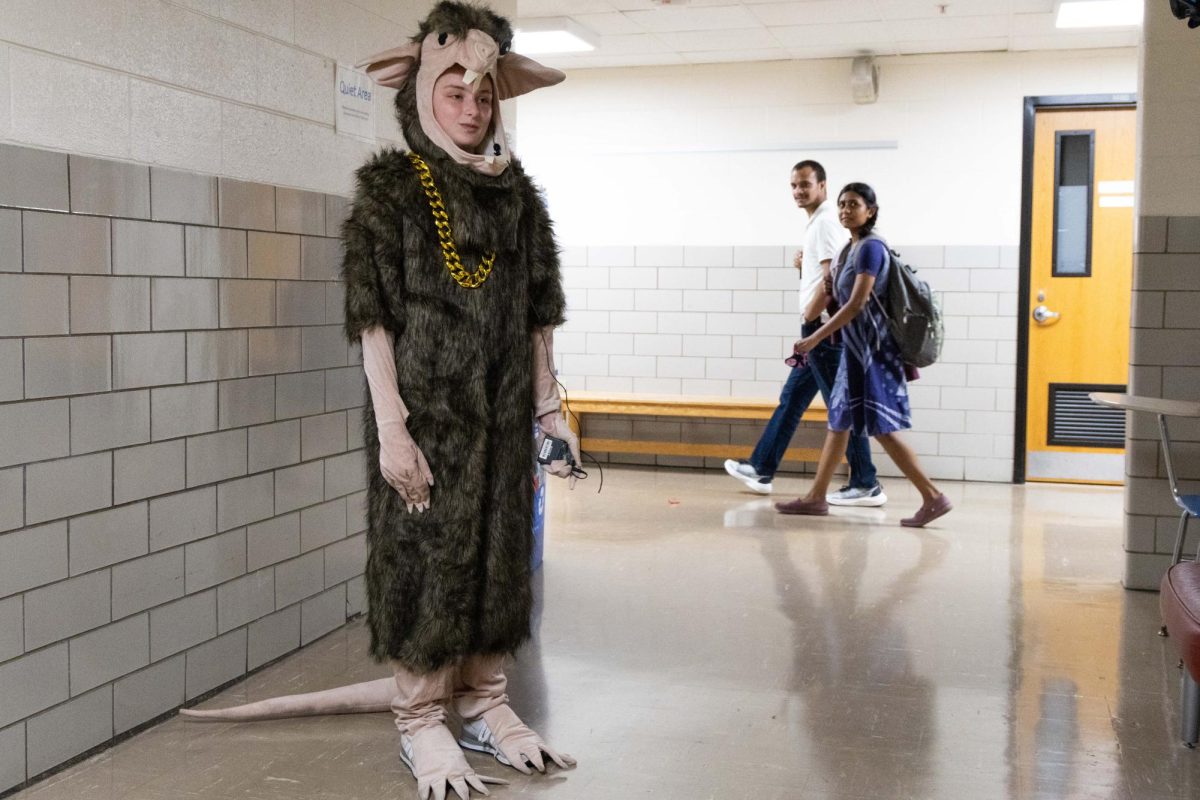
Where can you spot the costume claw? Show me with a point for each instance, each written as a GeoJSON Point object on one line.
{"type": "Point", "coordinates": [436, 762]}
{"type": "Point", "coordinates": [500, 732]}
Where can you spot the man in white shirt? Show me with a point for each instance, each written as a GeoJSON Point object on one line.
{"type": "Point", "coordinates": [824, 238]}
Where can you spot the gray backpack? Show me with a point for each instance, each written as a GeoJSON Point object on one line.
{"type": "Point", "coordinates": [913, 314]}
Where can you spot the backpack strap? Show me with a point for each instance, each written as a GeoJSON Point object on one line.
{"type": "Point", "coordinates": [857, 248]}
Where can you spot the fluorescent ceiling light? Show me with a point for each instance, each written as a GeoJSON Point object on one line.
{"type": "Point", "coordinates": [1099, 13]}
{"type": "Point", "coordinates": [543, 35]}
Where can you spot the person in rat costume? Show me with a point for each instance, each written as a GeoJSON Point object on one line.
{"type": "Point", "coordinates": [453, 288]}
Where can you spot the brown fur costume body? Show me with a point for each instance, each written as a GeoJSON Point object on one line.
{"type": "Point", "coordinates": [455, 580]}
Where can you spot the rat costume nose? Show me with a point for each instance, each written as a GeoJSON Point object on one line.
{"type": "Point", "coordinates": [477, 56]}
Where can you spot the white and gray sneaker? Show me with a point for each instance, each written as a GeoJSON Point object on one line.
{"type": "Point", "coordinates": [744, 472]}
{"type": "Point", "coordinates": [851, 496]}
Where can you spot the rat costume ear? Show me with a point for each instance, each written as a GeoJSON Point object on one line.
{"type": "Point", "coordinates": [517, 75]}
{"type": "Point", "coordinates": [392, 67]}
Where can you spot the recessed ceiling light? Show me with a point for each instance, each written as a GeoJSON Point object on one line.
{"type": "Point", "coordinates": [542, 35]}
{"type": "Point", "coordinates": [1099, 13]}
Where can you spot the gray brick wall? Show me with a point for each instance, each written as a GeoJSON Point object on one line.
{"type": "Point", "coordinates": [1163, 362]}
{"type": "Point", "coordinates": [180, 486]}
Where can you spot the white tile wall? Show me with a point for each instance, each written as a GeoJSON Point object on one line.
{"type": "Point", "coordinates": [730, 331]}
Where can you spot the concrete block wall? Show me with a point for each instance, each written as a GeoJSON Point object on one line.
{"type": "Point", "coordinates": [181, 480]}
{"type": "Point", "coordinates": [1163, 362]}
{"type": "Point", "coordinates": [704, 320]}
{"type": "Point", "coordinates": [236, 88]}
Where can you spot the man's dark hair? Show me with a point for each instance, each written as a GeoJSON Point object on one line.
{"type": "Point", "coordinates": [817, 169]}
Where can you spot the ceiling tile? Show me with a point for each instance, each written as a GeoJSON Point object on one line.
{"type": "Point", "coordinates": [1033, 6]}
{"type": "Point", "coordinates": [949, 29]}
{"type": "Point", "coordinates": [1073, 40]}
{"type": "Point", "coordinates": [1033, 25]}
{"type": "Point", "coordinates": [814, 12]}
{"type": "Point", "coordinates": [689, 18]}
{"type": "Point", "coordinates": [829, 35]}
{"type": "Point", "coordinates": [627, 45]}
{"type": "Point", "coordinates": [561, 8]}
{"type": "Point", "coordinates": [843, 51]}
{"type": "Point", "coordinates": [720, 56]}
{"type": "Point", "coordinates": [646, 5]}
{"type": "Point", "coordinates": [614, 23]}
{"type": "Point", "coordinates": [592, 61]}
{"type": "Point", "coordinates": [929, 9]}
{"type": "Point", "coordinates": [699, 41]}
{"type": "Point", "coordinates": [954, 45]}
{"type": "Point", "coordinates": [642, 31]}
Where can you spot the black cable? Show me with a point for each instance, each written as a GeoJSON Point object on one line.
{"type": "Point", "coordinates": [578, 422]}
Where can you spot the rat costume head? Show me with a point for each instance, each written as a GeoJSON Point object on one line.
{"type": "Point", "coordinates": [477, 41]}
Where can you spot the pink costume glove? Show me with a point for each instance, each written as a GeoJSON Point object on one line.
{"type": "Point", "coordinates": [547, 405]}
{"type": "Point", "coordinates": [400, 460]}
{"type": "Point", "coordinates": [435, 760]}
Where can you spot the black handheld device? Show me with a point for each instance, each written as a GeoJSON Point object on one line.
{"type": "Point", "coordinates": [555, 449]}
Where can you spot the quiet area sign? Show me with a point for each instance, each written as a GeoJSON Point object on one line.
{"type": "Point", "coordinates": [354, 98]}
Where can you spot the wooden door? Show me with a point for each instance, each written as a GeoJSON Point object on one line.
{"type": "Point", "coordinates": [1081, 270]}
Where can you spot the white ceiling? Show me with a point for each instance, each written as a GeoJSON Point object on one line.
{"type": "Point", "coordinates": [642, 32]}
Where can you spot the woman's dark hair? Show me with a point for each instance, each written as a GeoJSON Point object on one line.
{"type": "Point", "coordinates": [868, 195]}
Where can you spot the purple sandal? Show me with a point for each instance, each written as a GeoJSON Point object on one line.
{"type": "Point", "coordinates": [811, 508]}
{"type": "Point", "coordinates": [927, 513]}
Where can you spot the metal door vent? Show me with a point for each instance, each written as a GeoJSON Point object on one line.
{"type": "Point", "coordinates": [1075, 421]}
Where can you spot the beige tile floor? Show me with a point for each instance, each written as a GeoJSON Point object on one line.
{"type": "Point", "coordinates": [693, 644]}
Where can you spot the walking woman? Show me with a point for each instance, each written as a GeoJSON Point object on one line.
{"type": "Point", "coordinates": [870, 393]}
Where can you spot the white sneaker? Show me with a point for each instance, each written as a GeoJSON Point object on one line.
{"type": "Point", "coordinates": [476, 735]}
{"type": "Point", "coordinates": [744, 472]}
{"type": "Point", "coordinates": [850, 496]}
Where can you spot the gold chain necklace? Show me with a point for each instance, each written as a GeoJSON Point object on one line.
{"type": "Point", "coordinates": [468, 280]}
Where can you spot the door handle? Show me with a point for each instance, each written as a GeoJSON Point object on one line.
{"type": "Point", "coordinates": [1044, 316]}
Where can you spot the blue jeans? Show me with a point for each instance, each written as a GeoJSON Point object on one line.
{"type": "Point", "coordinates": [798, 392]}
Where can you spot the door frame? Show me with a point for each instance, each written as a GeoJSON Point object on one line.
{"type": "Point", "coordinates": [1032, 105]}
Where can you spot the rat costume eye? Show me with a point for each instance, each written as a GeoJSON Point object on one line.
{"type": "Point", "coordinates": [442, 39]}
{"type": "Point", "coordinates": [505, 46]}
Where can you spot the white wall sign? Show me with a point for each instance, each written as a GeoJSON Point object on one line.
{"type": "Point", "coordinates": [354, 98]}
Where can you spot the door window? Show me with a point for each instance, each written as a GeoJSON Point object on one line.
{"type": "Point", "coordinates": [1073, 204]}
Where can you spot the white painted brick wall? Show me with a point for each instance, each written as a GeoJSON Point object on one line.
{"type": "Point", "coordinates": [242, 90]}
{"type": "Point", "coordinates": [723, 323]}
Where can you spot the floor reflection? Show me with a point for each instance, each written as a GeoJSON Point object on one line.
{"type": "Point", "coordinates": [853, 688]}
{"type": "Point", "coordinates": [691, 643]}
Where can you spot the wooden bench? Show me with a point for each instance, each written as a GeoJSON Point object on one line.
{"type": "Point", "coordinates": [688, 407]}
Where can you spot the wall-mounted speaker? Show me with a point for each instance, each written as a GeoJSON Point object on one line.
{"type": "Point", "coordinates": [864, 80]}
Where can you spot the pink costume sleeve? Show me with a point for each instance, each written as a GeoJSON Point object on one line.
{"type": "Point", "coordinates": [401, 462]}
{"type": "Point", "coordinates": [545, 385]}
{"type": "Point", "coordinates": [379, 362]}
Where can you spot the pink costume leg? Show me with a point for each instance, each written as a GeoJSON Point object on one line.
{"type": "Point", "coordinates": [427, 746]}
{"type": "Point", "coordinates": [490, 725]}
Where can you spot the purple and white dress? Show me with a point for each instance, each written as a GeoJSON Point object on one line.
{"type": "Point", "coordinates": [870, 393]}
